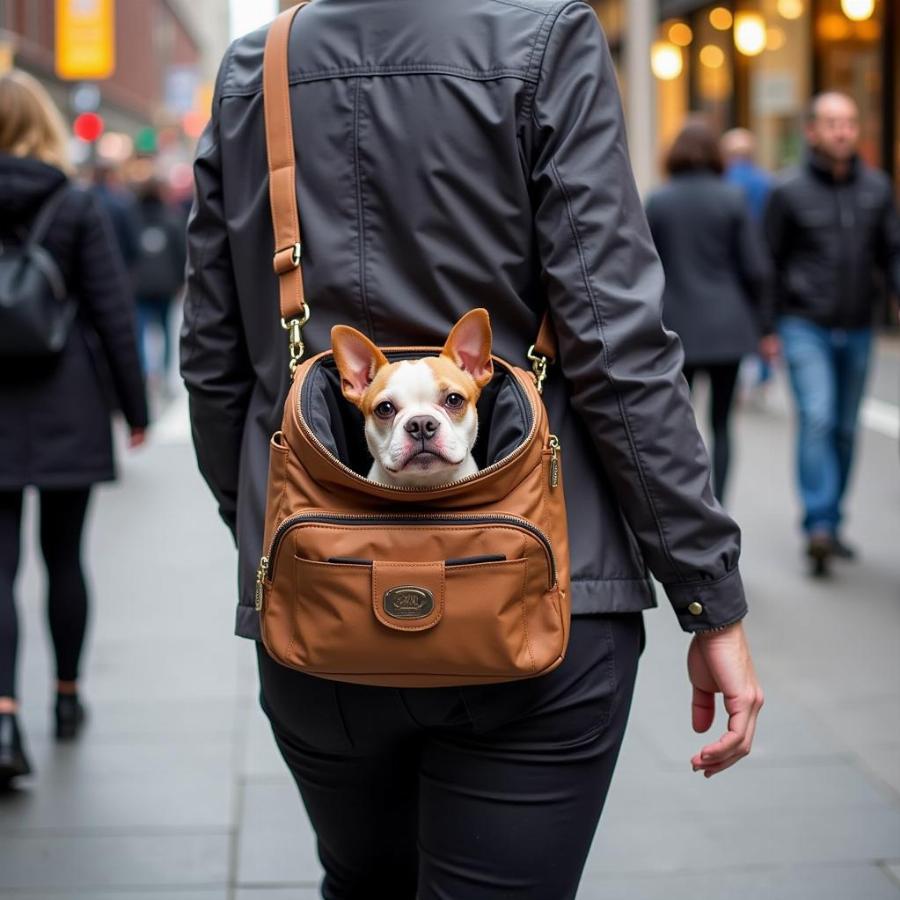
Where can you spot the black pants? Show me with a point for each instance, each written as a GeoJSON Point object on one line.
{"type": "Point", "coordinates": [62, 523]}
{"type": "Point", "coordinates": [476, 793]}
{"type": "Point", "coordinates": [722, 381]}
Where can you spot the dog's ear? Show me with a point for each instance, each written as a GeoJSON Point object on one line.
{"type": "Point", "coordinates": [357, 358]}
{"type": "Point", "coordinates": [469, 346]}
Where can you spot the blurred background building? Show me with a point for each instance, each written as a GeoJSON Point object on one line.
{"type": "Point", "coordinates": [756, 63]}
{"type": "Point", "coordinates": [134, 77]}
{"type": "Point", "coordinates": [146, 68]}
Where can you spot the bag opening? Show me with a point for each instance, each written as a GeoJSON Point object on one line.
{"type": "Point", "coordinates": [505, 415]}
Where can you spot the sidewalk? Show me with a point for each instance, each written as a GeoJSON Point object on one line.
{"type": "Point", "coordinates": [175, 791]}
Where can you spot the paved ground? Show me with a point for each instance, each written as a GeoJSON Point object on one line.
{"type": "Point", "coordinates": [176, 793]}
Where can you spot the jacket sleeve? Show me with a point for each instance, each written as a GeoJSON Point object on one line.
{"type": "Point", "coordinates": [604, 285]}
{"type": "Point", "coordinates": [105, 293]}
{"type": "Point", "coordinates": [889, 243]}
{"type": "Point", "coordinates": [215, 364]}
{"type": "Point", "coordinates": [777, 230]}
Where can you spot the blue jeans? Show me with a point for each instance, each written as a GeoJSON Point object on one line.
{"type": "Point", "coordinates": [828, 368]}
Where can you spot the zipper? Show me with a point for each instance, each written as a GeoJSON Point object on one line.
{"type": "Point", "coordinates": [396, 519]}
{"type": "Point", "coordinates": [260, 577]}
{"type": "Point", "coordinates": [450, 484]}
{"type": "Point", "coordinates": [553, 443]}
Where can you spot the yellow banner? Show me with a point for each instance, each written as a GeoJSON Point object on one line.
{"type": "Point", "coordinates": [85, 39]}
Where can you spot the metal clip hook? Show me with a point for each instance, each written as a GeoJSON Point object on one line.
{"type": "Point", "coordinates": [538, 368]}
{"type": "Point", "coordinates": [294, 328]}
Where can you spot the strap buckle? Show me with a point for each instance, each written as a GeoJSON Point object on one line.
{"type": "Point", "coordinates": [282, 263]}
{"type": "Point", "coordinates": [539, 364]}
{"type": "Point", "coordinates": [294, 328]}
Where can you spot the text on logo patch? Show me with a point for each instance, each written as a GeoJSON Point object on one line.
{"type": "Point", "coordinates": [408, 602]}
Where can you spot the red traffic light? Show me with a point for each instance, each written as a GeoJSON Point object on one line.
{"type": "Point", "coordinates": [88, 127]}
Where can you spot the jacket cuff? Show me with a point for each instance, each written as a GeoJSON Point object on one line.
{"type": "Point", "coordinates": [702, 605]}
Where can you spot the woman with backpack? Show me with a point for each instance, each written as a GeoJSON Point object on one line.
{"type": "Point", "coordinates": [54, 400]}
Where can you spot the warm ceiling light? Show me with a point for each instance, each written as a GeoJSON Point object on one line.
{"type": "Point", "coordinates": [665, 60]}
{"type": "Point", "coordinates": [720, 18]}
{"type": "Point", "coordinates": [750, 33]}
{"type": "Point", "coordinates": [775, 38]}
{"type": "Point", "coordinates": [712, 56]}
{"type": "Point", "coordinates": [790, 9]}
{"type": "Point", "coordinates": [858, 10]}
{"type": "Point", "coordinates": [681, 34]}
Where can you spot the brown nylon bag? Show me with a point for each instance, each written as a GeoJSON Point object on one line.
{"type": "Point", "coordinates": [463, 584]}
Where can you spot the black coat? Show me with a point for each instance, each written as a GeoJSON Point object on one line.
{"type": "Point", "coordinates": [55, 416]}
{"type": "Point", "coordinates": [454, 155]}
{"type": "Point", "coordinates": [715, 264]}
{"type": "Point", "coordinates": [835, 243]}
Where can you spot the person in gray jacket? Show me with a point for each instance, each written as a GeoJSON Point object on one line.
{"type": "Point", "coordinates": [716, 273]}
{"type": "Point", "coordinates": [455, 155]}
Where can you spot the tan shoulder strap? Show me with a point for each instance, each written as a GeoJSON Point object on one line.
{"type": "Point", "coordinates": [283, 194]}
{"type": "Point", "coordinates": [282, 168]}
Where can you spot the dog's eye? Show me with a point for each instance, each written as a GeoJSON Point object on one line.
{"type": "Point", "coordinates": [454, 401]}
{"type": "Point", "coordinates": [385, 409]}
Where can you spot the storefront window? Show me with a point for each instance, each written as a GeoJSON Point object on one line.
{"type": "Point", "coordinates": [611, 14]}
{"type": "Point", "coordinates": [712, 60]}
{"type": "Point", "coordinates": [849, 51]}
{"type": "Point", "coordinates": [777, 82]}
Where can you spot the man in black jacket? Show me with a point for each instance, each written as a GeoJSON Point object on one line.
{"type": "Point", "coordinates": [833, 230]}
{"type": "Point", "coordinates": [454, 155]}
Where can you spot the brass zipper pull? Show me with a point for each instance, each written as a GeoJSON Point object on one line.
{"type": "Point", "coordinates": [260, 575]}
{"type": "Point", "coordinates": [554, 460]}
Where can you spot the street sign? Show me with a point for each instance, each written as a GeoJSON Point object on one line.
{"type": "Point", "coordinates": [7, 52]}
{"type": "Point", "coordinates": [181, 85]}
{"type": "Point", "coordinates": [85, 97]}
{"type": "Point", "coordinates": [85, 39]}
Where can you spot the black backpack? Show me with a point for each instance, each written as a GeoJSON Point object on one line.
{"type": "Point", "coordinates": [36, 308]}
{"type": "Point", "coordinates": [158, 272]}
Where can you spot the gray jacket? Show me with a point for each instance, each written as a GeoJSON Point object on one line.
{"type": "Point", "coordinates": [453, 155]}
{"type": "Point", "coordinates": [715, 263]}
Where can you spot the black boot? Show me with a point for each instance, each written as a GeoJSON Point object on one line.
{"type": "Point", "coordinates": [820, 549]}
{"type": "Point", "coordinates": [69, 716]}
{"type": "Point", "coordinates": [13, 761]}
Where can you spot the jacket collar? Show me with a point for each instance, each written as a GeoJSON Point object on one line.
{"type": "Point", "coordinates": [821, 168]}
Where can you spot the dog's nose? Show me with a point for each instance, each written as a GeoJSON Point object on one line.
{"type": "Point", "coordinates": [422, 428]}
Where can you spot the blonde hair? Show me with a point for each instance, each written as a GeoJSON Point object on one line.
{"type": "Point", "coordinates": [30, 123]}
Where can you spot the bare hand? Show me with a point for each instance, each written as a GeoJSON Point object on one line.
{"type": "Point", "coordinates": [770, 347]}
{"type": "Point", "coordinates": [136, 438]}
{"type": "Point", "coordinates": [720, 662]}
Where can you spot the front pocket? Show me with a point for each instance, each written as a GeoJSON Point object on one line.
{"type": "Point", "coordinates": [465, 597]}
{"type": "Point", "coordinates": [475, 624]}
{"type": "Point", "coordinates": [430, 537]}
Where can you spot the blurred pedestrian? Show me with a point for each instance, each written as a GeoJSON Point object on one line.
{"type": "Point", "coordinates": [741, 169]}
{"type": "Point", "coordinates": [158, 273]}
{"type": "Point", "coordinates": [716, 273]}
{"type": "Point", "coordinates": [833, 231]}
{"type": "Point", "coordinates": [428, 186]}
{"type": "Point", "coordinates": [119, 206]}
{"type": "Point", "coordinates": [739, 158]}
{"type": "Point", "coordinates": [54, 418]}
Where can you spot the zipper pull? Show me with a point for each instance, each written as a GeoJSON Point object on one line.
{"type": "Point", "coordinates": [260, 575]}
{"type": "Point", "coordinates": [554, 460]}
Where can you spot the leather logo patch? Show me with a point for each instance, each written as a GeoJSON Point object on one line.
{"type": "Point", "coordinates": [408, 602]}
